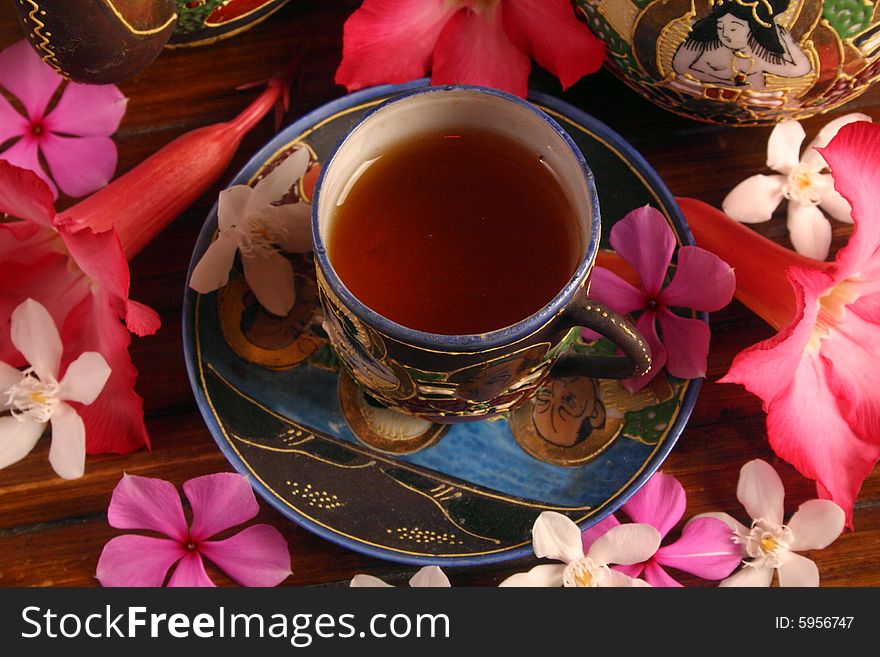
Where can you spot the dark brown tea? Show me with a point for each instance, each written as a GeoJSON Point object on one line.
{"type": "Point", "coordinates": [455, 233]}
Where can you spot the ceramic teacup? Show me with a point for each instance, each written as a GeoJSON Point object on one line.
{"type": "Point", "coordinates": [455, 378]}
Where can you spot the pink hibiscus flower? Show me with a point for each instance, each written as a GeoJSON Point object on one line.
{"type": "Point", "coordinates": [482, 42]}
{"type": "Point", "coordinates": [255, 556]}
{"type": "Point", "coordinates": [818, 377]}
{"type": "Point", "coordinates": [73, 137]}
{"type": "Point", "coordinates": [705, 548]}
{"type": "Point", "coordinates": [702, 281]}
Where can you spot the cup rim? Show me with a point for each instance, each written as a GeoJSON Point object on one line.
{"type": "Point", "coordinates": [474, 341]}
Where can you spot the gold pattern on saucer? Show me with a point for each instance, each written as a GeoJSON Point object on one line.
{"type": "Point", "coordinates": [572, 420]}
{"type": "Point", "coordinates": [383, 428]}
{"type": "Point", "coordinates": [262, 338]}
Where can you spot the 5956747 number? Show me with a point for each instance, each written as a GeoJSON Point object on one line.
{"type": "Point", "coordinates": [814, 622]}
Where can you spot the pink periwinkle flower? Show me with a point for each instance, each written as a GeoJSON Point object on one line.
{"type": "Point", "coordinates": [705, 548]}
{"type": "Point", "coordinates": [256, 556]}
{"type": "Point", "coordinates": [73, 136]}
{"type": "Point", "coordinates": [702, 281]}
{"type": "Point", "coordinates": [484, 42]}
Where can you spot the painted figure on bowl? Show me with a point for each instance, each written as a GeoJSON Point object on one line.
{"type": "Point", "coordinates": [740, 43]}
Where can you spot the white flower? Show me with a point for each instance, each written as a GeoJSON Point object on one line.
{"type": "Point", "coordinates": [427, 577]}
{"type": "Point", "coordinates": [768, 544]}
{"type": "Point", "coordinates": [249, 223]}
{"type": "Point", "coordinates": [35, 397]}
{"type": "Point", "coordinates": [555, 536]}
{"type": "Point", "coordinates": [802, 183]}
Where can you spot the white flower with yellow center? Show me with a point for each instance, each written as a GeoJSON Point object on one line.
{"type": "Point", "coordinates": [427, 577]}
{"type": "Point", "coordinates": [249, 222]}
{"type": "Point", "coordinates": [804, 181]}
{"type": "Point", "coordinates": [769, 546]}
{"type": "Point", "coordinates": [557, 537]}
{"type": "Point", "coordinates": [35, 397]}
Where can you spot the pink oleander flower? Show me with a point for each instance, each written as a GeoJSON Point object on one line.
{"type": "Point", "coordinates": [427, 577]}
{"type": "Point", "coordinates": [82, 279]}
{"type": "Point", "coordinates": [802, 182]}
{"type": "Point", "coordinates": [702, 281]}
{"type": "Point", "coordinates": [73, 137]}
{"type": "Point", "coordinates": [36, 396]}
{"type": "Point", "coordinates": [249, 222]}
{"type": "Point", "coordinates": [818, 377]}
{"type": "Point", "coordinates": [256, 556]}
{"type": "Point", "coordinates": [75, 263]}
{"type": "Point", "coordinates": [704, 548]}
{"type": "Point", "coordinates": [482, 42]}
{"type": "Point", "coordinates": [770, 545]}
{"type": "Point", "coordinates": [556, 537]}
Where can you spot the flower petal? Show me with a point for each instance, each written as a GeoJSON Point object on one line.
{"type": "Point", "coordinates": [734, 525]}
{"type": "Point", "coordinates": [852, 361]}
{"type": "Point", "coordinates": [190, 572]}
{"type": "Point", "coordinates": [626, 544]}
{"type": "Point", "coordinates": [67, 453]}
{"type": "Point", "coordinates": [656, 576]}
{"type": "Point", "coordinates": [28, 78]}
{"type": "Point", "coordinates": [644, 239]}
{"type": "Point", "coordinates": [809, 230]}
{"type": "Point", "coordinates": [429, 577]}
{"type": "Point", "coordinates": [702, 281]}
{"type": "Point", "coordinates": [147, 503]}
{"type": "Point", "coordinates": [35, 335]}
{"type": "Point", "coordinates": [812, 157]}
{"type": "Point", "coordinates": [295, 222]}
{"type": "Point", "coordinates": [659, 503]}
{"type": "Point", "coordinates": [25, 154]}
{"type": "Point", "coordinates": [798, 571]}
{"type": "Point", "coordinates": [784, 145]}
{"type": "Point", "coordinates": [274, 186]}
{"type": "Point", "coordinates": [556, 39]}
{"type": "Point", "coordinates": [615, 578]}
{"type": "Point", "coordinates": [85, 378]}
{"type": "Point", "coordinates": [555, 536]}
{"type": "Point", "coordinates": [590, 535]}
{"type": "Point", "coordinates": [23, 194]}
{"type": "Point", "coordinates": [816, 525]}
{"type": "Point", "coordinates": [705, 549]}
{"type": "Point", "coordinates": [831, 200]}
{"type": "Point", "coordinates": [18, 438]}
{"type": "Point", "coordinates": [232, 204]}
{"type": "Point", "coordinates": [212, 270]}
{"type": "Point", "coordinates": [473, 48]}
{"type": "Point", "coordinates": [115, 421]}
{"type": "Point", "coordinates": [271, 280]}
{"type": "Point", "coordinates": [687, 344]}
{"type": "Point", "coordinates": [12, 123]}
{"type": "Point", "coordinates": [406, 28]}
{"type": "Point", "coordinates": [754, 199]}
{"type": "Point", "coordinates": [647, 326]}
{"type": "Point", "coordinates": [255, 556]}
{"type": "Point", "coordinates": [80, 165]}
{"type": "Point", "coordinates": [131, 560]}
{"type": "Point", "coordinates": [219, 501]}
{"type": "Point", "coordinates": [87, 110]}
{"type": "Point", "coordinates": [608, 288]}
{"type": "Point", "coordinates": [761, 492]}
{"type": "Point", "coordinates": [853, 155]}
{"type": "Point", "coordinates": [544, 575]}
{"type": "Point", "coordinates": [368, 581]}
{"type": "Point", "coordinates": [748, 576]}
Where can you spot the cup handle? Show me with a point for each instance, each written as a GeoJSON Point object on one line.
{"type": "Point", "coordinates": [636, 358]}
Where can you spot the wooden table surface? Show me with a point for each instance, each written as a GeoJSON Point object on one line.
{"type": "Point", "coordinates": [52, 531]}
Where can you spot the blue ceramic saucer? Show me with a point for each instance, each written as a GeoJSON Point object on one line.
{"type": "Point", "coordinates": [400, 488]}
